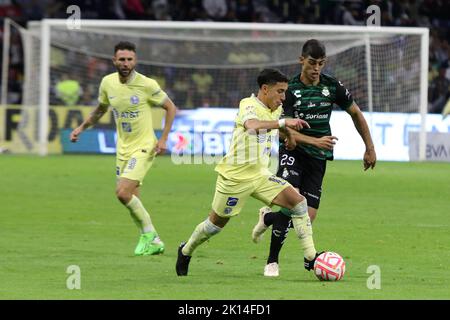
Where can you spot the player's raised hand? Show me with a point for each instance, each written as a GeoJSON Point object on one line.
{"type": "Point", "coordinates": [370, 158]}
{"type": "Point", "coordinates": [326, 142]}
{"type": "Point", "coordinates": [74, 134]}
{"type": "Point", "coordinates": [297, 124]}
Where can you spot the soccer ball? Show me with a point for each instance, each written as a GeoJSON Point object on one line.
{"type": "Point", "coordinates": [329, 266]}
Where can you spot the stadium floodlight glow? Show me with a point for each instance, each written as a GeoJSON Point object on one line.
{"type": "Point", "coordinates": [385, 68]}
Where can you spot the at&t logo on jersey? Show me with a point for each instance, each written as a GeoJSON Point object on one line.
{"type": "Point", "coordinates": [129, 114]}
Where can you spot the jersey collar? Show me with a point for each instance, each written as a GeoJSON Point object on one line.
{"type": "Point", "coordinates": [260, 102]}
{"type": "Point", "coordinates": [306, 85]}
{"type": "Point", "coordinates": [132, 77]}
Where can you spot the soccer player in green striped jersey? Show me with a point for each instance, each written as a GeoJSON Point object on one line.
{"type": "Point", "coordinates": [243, 172]}
{"type": "Point", "coordinates": [311, 96]}
{"type": "Point", "coordinates": [131, 96]}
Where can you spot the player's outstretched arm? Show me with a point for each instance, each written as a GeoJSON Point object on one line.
{"type": "Point", "coordinates": [256, 125]}
{"type": "Point", "coordinates": [370, 157]}
{"type": "Point", "coordinates": [171, 110]}
{"type": "Point", "coordinates": [93, 118]}
{"type": "Point", "coordinates": [325, 142]}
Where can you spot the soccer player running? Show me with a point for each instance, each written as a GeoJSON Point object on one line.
{"type": "Point", "coordinates": [244, 172]}
{"type": "Point", "coordinates": [131, 96]}
{"type": "Point", "coordinates": [310, 96]}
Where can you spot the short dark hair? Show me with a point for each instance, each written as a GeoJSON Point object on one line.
{"type": "Point", "coordinates": [271, 76]}
{"type": "Point", "coordinates": [125, 45]}
{"type": "Point", "coordinates": [314, 48]}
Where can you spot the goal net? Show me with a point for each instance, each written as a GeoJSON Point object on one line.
{"type": "Point", "coordinates": [203, 64]}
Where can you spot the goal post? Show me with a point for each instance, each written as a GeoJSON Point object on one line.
{"type": "Point", "coordinates": [44, 86]}
{"type": "Point", "coordinates": [5, 60]}
{"type": "Point", "coordinates": [385, 68]}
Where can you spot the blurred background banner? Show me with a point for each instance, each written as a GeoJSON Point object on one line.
{"type": "Point", "coordinates": [208, 131]}
{"type": "Point", "coordinates": [18, 135]}
{"type": "Point", "coordinates": [95, 141]}
{"type": "Point", "coordinates": [438, 146]}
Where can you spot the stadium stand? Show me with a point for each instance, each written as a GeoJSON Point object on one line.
{"type": "Point", "coordinates": [434, 14]}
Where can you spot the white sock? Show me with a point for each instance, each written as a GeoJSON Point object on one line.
{"type": "Point", "coordinates": [140, 215]}
{"type": "Point", "coordinates": [202, 232]}
{"type": "Point", "coordinates": [300, 209]}
{"type": "Point", "coordinates": [303, 229]}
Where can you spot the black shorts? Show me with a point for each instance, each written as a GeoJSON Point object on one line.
{"type": "Point", "coordinates": [303, 172]}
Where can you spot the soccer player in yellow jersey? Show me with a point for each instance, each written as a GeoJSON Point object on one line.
{"type": "Point", "coordinates": [311, 95]}
{"type": "Point", "coordinates": [131, 96]}
{"type": "Point", "coordinates": [243, 171]}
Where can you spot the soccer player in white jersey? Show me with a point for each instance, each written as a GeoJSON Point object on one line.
{"type": "Point", "coordinates": [131, 96]}
{"type": "Point", "coordinates": [244, 172]}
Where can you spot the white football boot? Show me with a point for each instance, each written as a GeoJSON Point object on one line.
{"type": "Point", "coordinates": [271, 270]}
{"type": "Point", "coordinates": [260, 227]}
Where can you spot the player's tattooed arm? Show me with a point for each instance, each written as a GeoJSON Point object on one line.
{"type": "Point", "coordinates": [95, 115]}
{"type": "Point", "coordinates": [90, 121]}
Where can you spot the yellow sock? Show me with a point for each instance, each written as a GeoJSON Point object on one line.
{"type": "Point", "coordinates": [140, 215]}
{"type": "Point", "coordinates": [303, 229]}
{"type": "Point", "coordinates": [202, 232]}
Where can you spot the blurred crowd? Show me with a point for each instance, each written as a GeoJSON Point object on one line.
{"type": "Point", "coordinates": [190, 90]}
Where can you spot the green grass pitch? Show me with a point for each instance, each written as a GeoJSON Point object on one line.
{"type": "Point", "coordinates": [60, 211]}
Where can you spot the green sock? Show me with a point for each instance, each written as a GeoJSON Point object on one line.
{"type": "Point", "coordinates": [286, 212]}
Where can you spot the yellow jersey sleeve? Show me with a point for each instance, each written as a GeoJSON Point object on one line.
{"type": "Point", "coordinates": [247, 111]}
{"type": "Point", "coordinates": [156, 96]}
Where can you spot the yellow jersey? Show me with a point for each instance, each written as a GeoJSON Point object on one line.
{"type": "Point", "coordinates": [131, 103]}
{"type": "Point", "coordinates": [249, 153]}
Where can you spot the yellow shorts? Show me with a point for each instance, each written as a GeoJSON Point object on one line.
{"type": "Point", "coordinates": [230, 196]}
{"type": "Point", "coordinates": [135, 167]}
